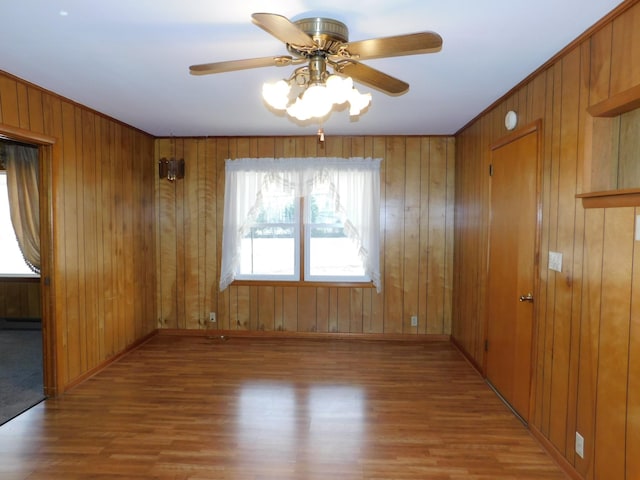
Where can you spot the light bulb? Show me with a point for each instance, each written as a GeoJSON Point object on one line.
{"type": "Point", "coordinates": [358, 101]}
{"type": "Point", "coordinates": [339, 88]}
{"type": "Point", "coordinates": [317, 101]}
{"type": "Point", "coordinates": [276, 94]}
{"type": "Point", "coordinates": [297, 110]}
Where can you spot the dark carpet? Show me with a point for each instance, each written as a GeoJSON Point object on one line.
{"type": "Point", "coordinates": [21, 384]}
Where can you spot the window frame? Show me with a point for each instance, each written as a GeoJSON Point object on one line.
{"type": "Point", "coordinates": [362, 220]}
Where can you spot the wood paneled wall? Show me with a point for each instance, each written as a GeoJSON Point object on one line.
{"type": "Point", "coordinates": [20, 299]}
{"type": "Point", "coordinates": [417, 241]}
{"type": "Point", "coordinates": [102, 221]}
{"type": "Point", "coordinates": [586, 375]}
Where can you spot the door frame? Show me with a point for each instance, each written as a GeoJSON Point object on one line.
{"type": "Point", "coordinates": [45, 145]}
{"type": "Point", "coordinates": [535, 126]}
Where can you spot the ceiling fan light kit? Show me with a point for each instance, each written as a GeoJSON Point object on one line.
{"type": "Point", "coordinates": [317, 99]}
{"type": "Point", "coordinates": [311, 92]}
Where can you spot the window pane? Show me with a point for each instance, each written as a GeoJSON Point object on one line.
{"type": "Point", "coordinates": [331, 255]}
{"type": "Point", "coordinates": [11, 260]}
{"type": "Point", "coordinates": [269, 248]}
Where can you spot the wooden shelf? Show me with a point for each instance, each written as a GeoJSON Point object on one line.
{"type": "Point", "coordinates": [611, 198]}
{"type": "Point", "coordinates": [617, 104]}
{"type": "Point", "coordinates": [611, 145]}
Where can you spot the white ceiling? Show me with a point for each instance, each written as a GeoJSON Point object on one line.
{"type": "Point", "coordinates": [129, 59]}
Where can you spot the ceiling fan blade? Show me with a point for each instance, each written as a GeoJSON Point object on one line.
{"type": "Point", "coordinates": [283, 29]}
{"type": "Point", "coordinates": [372, 77]}
{"type": "Point", "coordinates": [410, 44]}
{"type": "Point", "coordinates": [232, 65]}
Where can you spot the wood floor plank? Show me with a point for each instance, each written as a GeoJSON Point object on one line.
{"type": "Point", "coordinates": [204, 408]}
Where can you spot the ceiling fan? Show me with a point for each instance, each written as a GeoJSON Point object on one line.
{"type": "Point", "coordinates": [320, 42]}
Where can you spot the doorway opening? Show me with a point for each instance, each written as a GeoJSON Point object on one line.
{"type": "Point", "coordinates": [21, 365]}
{"type": "Point", "coordinates": [27, 356]}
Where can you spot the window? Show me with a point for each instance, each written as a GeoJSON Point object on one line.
{"type": "Point", "coordinates": [301, 219]}
{"type": "Point", "coordinates": [329, 254]}
{"type": "Point", "coordinates": [11, 261]}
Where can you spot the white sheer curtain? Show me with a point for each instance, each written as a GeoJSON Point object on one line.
{"type": "Point", "coordinates": [354, 183]}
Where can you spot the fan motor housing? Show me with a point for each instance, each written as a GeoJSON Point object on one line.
{"type": "Point", "coordinates": [329, 34]}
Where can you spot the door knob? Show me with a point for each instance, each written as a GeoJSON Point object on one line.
{"type": "Point", "coordinates": [527, 298]}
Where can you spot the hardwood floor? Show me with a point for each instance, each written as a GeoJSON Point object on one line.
{"type": "Point", "coordinates": [201, 408]}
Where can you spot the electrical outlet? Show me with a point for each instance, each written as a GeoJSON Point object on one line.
{"type": "Point", "coordinates": [580, 445]}
{"type": "Point", "coordinates": [414, 320]}
{"type": "Point", "coordinates": [212, 316]}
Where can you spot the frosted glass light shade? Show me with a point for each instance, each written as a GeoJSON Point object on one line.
{"type": "Point", "coordinates": [318, 99]}
{"type": "Point", "coordinates": [276, 94]}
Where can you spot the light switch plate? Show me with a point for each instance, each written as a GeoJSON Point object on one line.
{"type": "Point", "coordinates": [555, 261]}
{"type": "Point", "coordinates": [580, 445]}
{"type": "Point", "coordinates": [637, 227]}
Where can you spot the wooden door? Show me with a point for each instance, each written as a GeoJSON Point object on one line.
{"type": "Point", "coordinates": [512, 271]}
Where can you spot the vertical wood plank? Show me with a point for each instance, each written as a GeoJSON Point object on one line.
{"type": "Point", "coordinates": [625, 50]}
{"type": "Point", "coordinates": [278, 309]}
{"type": "Point", "coordinates": [128, 237]}
{"type": "Point", "coordinates": [182, 218]}
{"type": "Point", "coordinates": [35, 110]}
{"type": "Point", "coordinates": [393, 248]}
{"type": "Point", "coordinates": [168, 270]}
{"type": "Point", "coordinates": [356, 310]}
{"type": "Point", "coordinates": [600, 64]}
{"type": "Point", "coordinates": [611, 414]}
{"type": "Point", "coordinates": [449, 236]}
{"type": "Point", "coordinates": [552, 245]}
{"type": "Point", "coordinates": [90, 205]}
{"type": "Point", "coordinates": [118, 158]}
{"type": "Point", "coordinates": [436, 234]}
{"type": "Point", "coordinates": [254, 308]}
{"type": "Point", "coordinates": [333, 310]}
{"type": "Point", "coordinates": [378, 149]}
{"type": "Point", "coordinates": [266, 311]}
{"type": "Point", "coordinates": [343, 310]}
{"type": "Point", "coordinates": [211, 224]}
{"type": "Point", "coordinates": [23, 106]}
{"type": "Point", "coordinates": [411, 237]}
{"type": "Point", "coordinates": [290, 309]}
{"type": "Point", "coordinates": [307, 309]}
{"type": "Point", "coordinates": [72, 268]}
{"type": "Point", "coordinates": [632, 442]}
{"type": "Point", "coordinates": [224, 150]}
{"type": "Point", "coordinates": [243, 307]}
{"type": "Point", "coordinates": [106, 232]}
{"type": "Point", "coordinates": [191, 256]}
{"type": "Point", "coordinates": [322, 309]}
{"type": "Point", "coordinates": [9, 111]}
{"type": "Point", "coordinates": [203, 299]}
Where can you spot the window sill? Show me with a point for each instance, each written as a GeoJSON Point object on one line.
{"type": "Point", "coordinates": [7, 277]}
{"type": "Point", "coordinates": [611, 198]}
{"type": "Point", "coordinates": [289, 283]}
